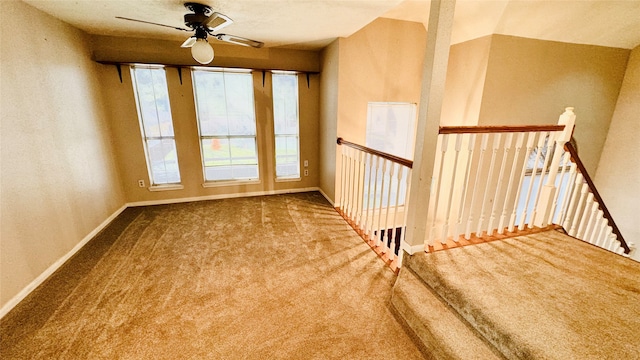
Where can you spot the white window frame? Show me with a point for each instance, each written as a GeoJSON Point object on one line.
{"type": "Point", "coordinates": [231, 181]}
{"type": "Point", "coordinates": [403, 134]}
{"type": "Point", "coordinates": [296, 176]}
{"type": "Point", "coordinates": [155, 185]}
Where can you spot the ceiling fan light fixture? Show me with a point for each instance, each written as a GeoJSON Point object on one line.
{"type": "Point", "coordinates": [202, 51]}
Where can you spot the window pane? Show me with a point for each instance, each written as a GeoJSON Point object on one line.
{"type": "Point", "coordinates": [240, 110]}
{"type": "Point", "coordinates": [226, 118]}
{"type": "Point", "coordinates": [286, 128]}
{"type": "Point", "coordinates": [285, 104]}
{"type": "Point", "coordinates": [147, 102]}
{"type": "Point", "coordinates": [391, 128]}
{"type": "Point", "coordinates": [150, 85]}
{"type": "Point", "coordinates": [164, 161]}
{"type": "Point", "coordinates": [211, 103]}
{"type": "Point", "coordinates": [163, 108]}
{"type": "Point", "coordinates": [216, 152]}
{"type": "Point", "coordinates": [287, 159]}
{"type": "Point", "coordinates": [243, 151]}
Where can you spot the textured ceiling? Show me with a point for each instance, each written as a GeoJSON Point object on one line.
{"type": "Point", "coordinates": [312, 24]}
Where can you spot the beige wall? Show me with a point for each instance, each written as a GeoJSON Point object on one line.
{"type": "Point", "coordinates": [531, 82]}
{"type": "Point", "coordinates": [382, 62]}
{"type": "Point", "coordinates": [58, 180]}
{"type": "Point", "coordinates": [130, 152]}
{"type": "Point", "coordinates": [464, 87]}
{"type": "Point", "coordinates": [328, 118]}
{"type": "Point", "coordinates": [152, 51]}
{"type": "Point", "coordinates": [618, 174]}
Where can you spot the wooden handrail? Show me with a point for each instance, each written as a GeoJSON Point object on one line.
{"type": "Point", "coordinates": [592, 187]}
{"type": "Point", "coordinates": [396, 159]}
{"type": "Point", "coordinates": [498, 129]}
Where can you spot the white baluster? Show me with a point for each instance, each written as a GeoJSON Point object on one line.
{"type": "Point", "coordinates": [387, 242]}
{"type": "Point", "coordinates": [558, 186]}
{"type": "Point", "coordinates": [349, 179]}
{"type": "Point", "coordinates": [593, 238]}
{"type": "Point", "coordinates": [572, 210]}
{"type": "Point", "coordinates": [403, 233]}
{"type": "Point", "coordinates": [591, 224]}
{"type": "Point", "coordinates": [379, 235]}
{"type": "Point", "coordinates": [378, 164]}
{"type": "Point", "coordinates": [465, 184]}
{"type": "Point", "coordinates": [534, 173]}
{"type": "Point", "coordinates": [360, 189]}
{"type": "Point", "coordinates": [394, 224]}
{"type": "Point", "coordinates": [354, 189]}
{"type": "Point", "coordinates": [437, 186]}
{"type": "Point", "coordinates": [512, 221]}
{"type": "Point", "coordinates": [544, 200]}
{"type": "Point", "coordinates": [494, 152]}
{"type": "Point", "coordinates": [343, 176]}
{"type": "Point", "coordinates": [445, 227]}
{"type": "Point", "coordinates": [483, 148]}
{"type": "Point", "coordinates": [353, 182]}
{"type": "Point", "coordinates": [608, 239]}
{"type": "Point", "coordinates": [585, 216]}
{"type": "Point", "coordinates": [553, 212]}
{"type": "Point", "coordinates": [539, 194]}
{"type": "Point", "coordinates": [512, 173]}
{"type": "Point", "coordinates": [366, 211]}
{"type": "Point", "coordinates": [600, 239]}
{"type": "Point", "coordinates": [505, 154]}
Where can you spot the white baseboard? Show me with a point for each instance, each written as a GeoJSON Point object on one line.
{"type": "Point", "coordinates": [413, 249]}
{"type": "Point", "coordinates": [51, 269]}
{"type": "Point", "coordinates": [327, 197]}
{"type": "Point", "coordinates": [221, 196]}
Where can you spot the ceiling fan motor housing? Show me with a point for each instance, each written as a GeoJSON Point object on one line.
{"type": "Point", "coordinates": [200, 15]}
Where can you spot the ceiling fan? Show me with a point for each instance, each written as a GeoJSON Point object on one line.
{"type": "Point", "coordinates": [203, 21]}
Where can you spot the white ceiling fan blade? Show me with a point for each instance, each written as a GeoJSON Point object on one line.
{"type": "Point", "coordinates": [239, 40]}
{"type": "Point", "coordinates": [189, 42]}
{"type": "Point", "coordinates": [217, 21]}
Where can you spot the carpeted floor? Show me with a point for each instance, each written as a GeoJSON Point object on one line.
{"type": "Point", "coordinates": [275, 277]}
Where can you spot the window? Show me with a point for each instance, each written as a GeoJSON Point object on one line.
{"type": "Point", "coordinates": [285, 119]}
{"type": "Point", "coordinates": [227, 124]}
{"type": "Point", "coordinates": [391, 129]}
{"type": "Point", "coordinates": [156, 124]}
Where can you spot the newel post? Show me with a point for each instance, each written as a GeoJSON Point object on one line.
{"type": "Point", "coordinates": [548, 191]}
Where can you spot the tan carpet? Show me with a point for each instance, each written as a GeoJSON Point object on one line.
{"type": "Point", "coordinates": [276, 277]}
{"type": "Point", "coordinates": [542, 296]}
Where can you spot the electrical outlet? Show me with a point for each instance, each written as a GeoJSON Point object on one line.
{"type": "Point", "coordinates": [141, 183]}
{"type": "Point", "coordinates": [306, 172]}
{"type": "Point", "coordinates": [306, 163]}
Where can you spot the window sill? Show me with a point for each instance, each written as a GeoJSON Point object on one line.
{"type": "Point", "coordinates": [166, 187]}
{"type": "Point", "coordinates": [210, 184]}
{"type": "Point", "coordinates": [291, 179]}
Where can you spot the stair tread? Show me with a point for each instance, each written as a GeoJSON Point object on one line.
{"type": "Point", "coordinates": [541, 296]}
{"type": "Point", "coordinates": [439, 330]}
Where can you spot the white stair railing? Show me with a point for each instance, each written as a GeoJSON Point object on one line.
{"type": "Point", "coordinates": [488, 181]}
{"type": "Point", "coordinates": [522, 171]}
{"type": "Point", "coordinates": [373, 194]}
{"type": "Point", "coordinates": [496, 186]}
{"type": "Point", "coordinates": [583, 213]}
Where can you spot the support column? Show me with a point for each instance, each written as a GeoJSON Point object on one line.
{"type": "Point", "coordinates": [548, 191]}
{"type": "Point", "coordinates": [434, 73]}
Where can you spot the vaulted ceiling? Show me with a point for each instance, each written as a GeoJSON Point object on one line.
{"type": "Point", "coordinates": [312, 24]}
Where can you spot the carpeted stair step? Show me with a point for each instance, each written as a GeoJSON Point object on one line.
{"type": "Point", "coordinates": [435, 325]}
{"type": "Point", "coordinates": [542, 296]}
